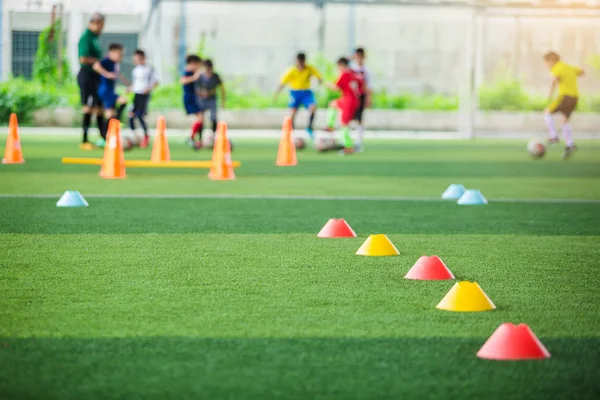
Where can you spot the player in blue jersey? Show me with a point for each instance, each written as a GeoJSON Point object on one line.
{"type": "Point", "coordinates": [109, 70]}
{"type": "Point", "coordinates": [192, 72]}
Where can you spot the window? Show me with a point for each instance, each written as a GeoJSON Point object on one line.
{"type": "Point", "coordinates": [24, 47]}
{"type": "Point", "coordinates": [129, 40]}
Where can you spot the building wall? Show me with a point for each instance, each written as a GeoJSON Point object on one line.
{"type": "Point", "coordinates": [410, 48]}
{"type": "Point", "coordinates": [34, 15]}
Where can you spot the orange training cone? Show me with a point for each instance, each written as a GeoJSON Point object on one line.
{"type": "Point", "coordinates": [13, 153]}
{"type": "Point", "coordinates": [160, 148]}
{"type": "Point", "coordinates": [113, 162]}
{"type": "Point", "coordinates": [286, 155]}
{"type": "Point", "coordinates": [513, 342]}
{"type": "Point", "coordinates": [430, 268]}
{"type": "Point", "coordinates": [221, 168]}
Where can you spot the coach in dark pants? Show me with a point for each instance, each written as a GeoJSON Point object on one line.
{"type": "Point", "coordinates": [88, 79]}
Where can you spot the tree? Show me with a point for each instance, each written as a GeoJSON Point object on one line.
{"type": "Point", "coordinates": [46, 68]}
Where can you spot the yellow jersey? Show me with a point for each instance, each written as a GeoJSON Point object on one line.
{"type": "Point", "coordinates": [567, 78]}
{"type": "Point", "coordinates": [297, 79]}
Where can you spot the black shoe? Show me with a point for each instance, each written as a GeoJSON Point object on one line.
{"type": "Point", "coordinates": [569, 150]}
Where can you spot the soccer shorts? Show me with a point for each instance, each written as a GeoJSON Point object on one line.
{"type": "Point", "coordinates": [362, 102]}
{"type": "Point", "coordinates": [564, 105]}
{"type": "Point", "coordinates": [209, 103]}
{"type": "Point", "coordinates": [299, 98]}
{"type": "Point", "coordinates": [140, 104]}
{"type": "Point", "coordinates": [108, 97]}
{"type": "Point", "coordinates": [347, 108]}
{"type": "Point", "coordinates": [191, 105]}
{"type": "Point", "coordinates": [89, 81]}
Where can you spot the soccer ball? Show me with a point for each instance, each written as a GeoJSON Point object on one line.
{"type": "Point", "coordinates": [130, 142]}
{"type": "Point", "coordinates": [536, 148]}
{"type": "Point", "coordinates": [300, 143]}
{"type": "Point", "coordinates": [325, 144]}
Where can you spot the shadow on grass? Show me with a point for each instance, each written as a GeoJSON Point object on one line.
{"type": "Point", "coordinates": [122, 215]}
{"type": "Point", "coordinates": [336, 368]}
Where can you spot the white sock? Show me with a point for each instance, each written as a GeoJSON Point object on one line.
{"type": "Point", "coordinates": [568, 134]}
{"type": "Point", "coordinates": [361, 134]}
{"type": "Point", "coordinates": [550, 124]}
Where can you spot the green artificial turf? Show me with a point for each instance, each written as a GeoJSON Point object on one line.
{"type": "Point", "coordinates": [232, 298]}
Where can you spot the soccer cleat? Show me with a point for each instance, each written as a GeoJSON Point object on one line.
{"type": "Point", "coordinates": [190, 142]}
{"type": "Point", "coordinates": [100, 143]}
{"type": "Point", "coordinates": [569, 150]}
{"type": "Point", "coordinates": [346, 151]}
{"type": "Point", "coordinates": [198, 145]}
{"type": "Point", "coordinates": [553, 141]}
{"type": "Point", "coordinates": [359, 148]}
{"type": "Point", "coordinates": [311, 134]}
{"type": "Point", "coordinates": [144, 142]}
{"type": "Point", "coordinates": [87, 146]}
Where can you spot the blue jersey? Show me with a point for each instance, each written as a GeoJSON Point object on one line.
{"type": "Point", "coordinates": [189, 90]}
{"type": "Point", "coordinates": [108, 85]}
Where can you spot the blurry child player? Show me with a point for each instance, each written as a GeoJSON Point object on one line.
{"type": "Point", "coordinates": [207, 86]}
{"type": "Point", "coordinates": [364, 74]}
{"type": "Point", "coordinates": [144, 81]}
{"type": "Point", "coordinates": [346, 105]}
{"type": "Point", "coordinates": [108, 68]}
{"type": "Point", "coordinates": [193, 69]}
{"type": "Point", "coordinates": [565, 77]}
{"type": "Point", "coordinates": [298, 79]}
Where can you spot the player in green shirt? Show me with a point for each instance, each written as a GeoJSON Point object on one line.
{"type": "Point", "coordinates": [88, 79]}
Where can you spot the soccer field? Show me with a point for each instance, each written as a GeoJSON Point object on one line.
{"type": "Point", "coordinates": [173, 286]}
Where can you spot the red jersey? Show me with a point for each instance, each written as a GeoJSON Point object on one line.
{"type": "Point", "coordinates": [349, 85]}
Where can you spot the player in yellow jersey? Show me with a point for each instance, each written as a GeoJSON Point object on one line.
{"type": "Point", "coordinates": [298, 79]}
{"type": "Point", "coordinates": [565, 77]}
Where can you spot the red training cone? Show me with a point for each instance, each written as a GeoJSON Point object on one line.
{"type": "Point", "coordinates": [430, 268]}
{"type": "Point", "coordinates": [513, 342]}
{"type": "Point", "coordinates": [336, 228]}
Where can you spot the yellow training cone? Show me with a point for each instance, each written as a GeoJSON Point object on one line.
{"type": "Point", "coordinates": [466, 296]}
{"type": "Point", "coordinates": [377, 245]}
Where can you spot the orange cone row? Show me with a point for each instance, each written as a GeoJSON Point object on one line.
{"type": "Point", "coordinates": [113, 161]}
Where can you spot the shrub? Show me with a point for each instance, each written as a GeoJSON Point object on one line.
{"type": "Point", "coordinates": [24, 97]}
{"type": "Point", "coordinates": [45, 66]}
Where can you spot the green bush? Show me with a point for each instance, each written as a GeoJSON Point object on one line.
{"type": "Point", "coordinates": [24, 97]}
{"type": "Point", "coordinates": [507, 95]}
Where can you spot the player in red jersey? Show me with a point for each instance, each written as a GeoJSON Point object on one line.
{"type": "Point", "coordinates": [350, 86]}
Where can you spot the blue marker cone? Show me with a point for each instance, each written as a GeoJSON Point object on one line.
{"type": "Point", "coordinates": [72, 198]}
{"type": "Point", "coordinates": [454, 192]}
{"type": "Point", "coordinates": [472, 197]}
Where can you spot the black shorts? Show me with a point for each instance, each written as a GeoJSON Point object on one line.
{"type": "Point", "coordinates": [565, 105]}
{"type": "Point", "coordinates": [88, 81]}
{"type": "Point", "coordinates": [140, 104]}
{"type": "Point", "coordinates": [362, 102]}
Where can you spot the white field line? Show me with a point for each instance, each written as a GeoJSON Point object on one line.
{"type": "Point", "coordinates": [290, 197]}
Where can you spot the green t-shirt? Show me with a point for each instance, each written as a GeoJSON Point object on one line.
{"type": "Point", "coordinates": [89, 46]}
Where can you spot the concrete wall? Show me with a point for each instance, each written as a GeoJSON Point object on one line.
{"type": "Point", "coordinates": [410, 48]}
{"type": "Point", "coordinates": [498, 122]}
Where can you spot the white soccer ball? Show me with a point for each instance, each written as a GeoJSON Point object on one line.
{"type": "Point", "coordinates": [536, 148]}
